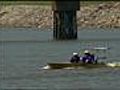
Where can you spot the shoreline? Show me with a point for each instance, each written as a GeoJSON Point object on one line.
{"type": "Point", "coordinates": [101, 15]}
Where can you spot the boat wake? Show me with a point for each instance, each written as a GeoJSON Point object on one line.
{"type": "Point", "coordinates": [113, 64]}
{"type": "Point", "coordinates": [46, 67]}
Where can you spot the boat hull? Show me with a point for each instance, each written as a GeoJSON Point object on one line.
{"type": "Point", "coordinates": [75, 65]}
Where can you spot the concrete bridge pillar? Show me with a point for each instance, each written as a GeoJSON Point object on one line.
{"type": "Point", "coordinates": [65, 23]}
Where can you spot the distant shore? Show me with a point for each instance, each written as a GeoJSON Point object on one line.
{"type": "Point", "coordinates": [102, 15]}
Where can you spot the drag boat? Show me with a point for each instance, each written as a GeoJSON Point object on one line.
{"type": "Point", "coordinates": [75, 65]}
{"type": "Point", "coordinates": [65, 65]}
{"type": "Point", "coordinates": [100, 64]}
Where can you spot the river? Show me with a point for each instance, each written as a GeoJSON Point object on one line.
{"type": "Point", "coordinates": [24, 51]}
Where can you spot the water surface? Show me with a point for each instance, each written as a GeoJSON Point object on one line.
{"type": "Point", "coordinates": [24, 51]}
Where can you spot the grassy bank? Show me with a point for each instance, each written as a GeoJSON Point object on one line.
{"type": "Point", "coordinates": [25, 2]}
{"type": "Point", "coordinates": [82, 3]}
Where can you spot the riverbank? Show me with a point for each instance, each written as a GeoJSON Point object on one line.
{"type": "Point", "coordinates": [100, 15]}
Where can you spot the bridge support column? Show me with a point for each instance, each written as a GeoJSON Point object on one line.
{"type": "Point", "coordinates": [65, 24]}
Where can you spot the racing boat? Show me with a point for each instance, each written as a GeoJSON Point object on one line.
{"type": "Point", "coordinates": [65, 65]}
{"type": "Point", "coordinates": [74, 65]}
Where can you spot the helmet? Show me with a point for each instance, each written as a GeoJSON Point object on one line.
{"type": "Point", "coordinates": [75, 53]}
{"type": "Point", "coordinates": [86, 51]}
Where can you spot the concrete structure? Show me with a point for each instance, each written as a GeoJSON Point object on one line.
{"type": "Point", "coordinates": [65, 24]}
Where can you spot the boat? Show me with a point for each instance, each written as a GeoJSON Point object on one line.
{"type": "Point", "coordinates": [74, 65]}
{"type": "Point", "coordinates": [65, 65]}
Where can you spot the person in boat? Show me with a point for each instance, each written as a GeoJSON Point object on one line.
{"type": "Point", "coordinates": [88, 57]}
{"type": "Point", "coordinates": [75, 58]}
